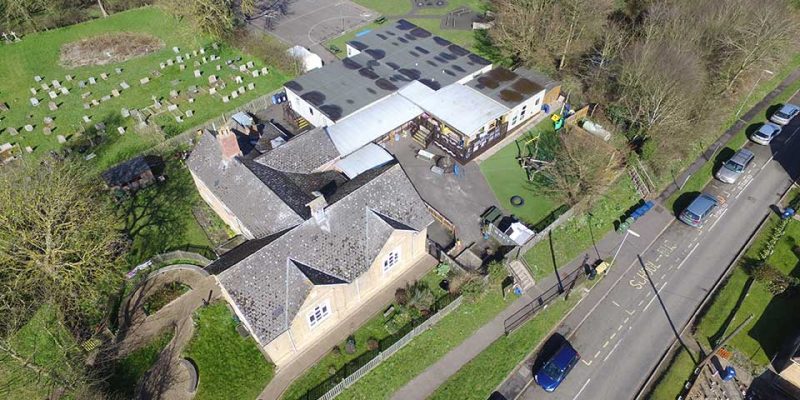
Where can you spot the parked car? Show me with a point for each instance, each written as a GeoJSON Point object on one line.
{"type": "Point", "coordinates": [785, 114]}
{"type": "Point", "coordinates": [732, 169]}
{"type": "Point", "coordinates": [700, 208]}
{"type": "Point", "coordinates": [766, 133]}
{"type": "Point", "coordinates": [553, 372]}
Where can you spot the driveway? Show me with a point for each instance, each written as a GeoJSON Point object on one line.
{"type": "Point", "coordinates": [310, 23]}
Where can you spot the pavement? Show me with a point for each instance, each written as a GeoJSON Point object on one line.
{"type": "Point", "coordinates": [625, 324]}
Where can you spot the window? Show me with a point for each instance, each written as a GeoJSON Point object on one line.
{"type": "Point", "coordinates": [319, 313]}
{"type": "Point", "coordinates": [311, 110]}
{"type": "Point", "coordinates": [391, 260]}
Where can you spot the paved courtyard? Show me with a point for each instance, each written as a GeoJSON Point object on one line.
{"type": "Point", "coordinates": [309, 23]}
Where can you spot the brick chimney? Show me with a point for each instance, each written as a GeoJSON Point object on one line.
{"type": "Point", "coordinates": [317, 207]}
{"type": "Point", "coordinates": [228, 143]}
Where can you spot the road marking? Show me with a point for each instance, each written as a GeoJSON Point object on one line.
{"type": "Point", "coordinates": [588, 363]}
{"type": "Point", "coordinates": [663, 276]}
{"type": "Point", "coordinates": [596, 354]}
{"type": "Point", "coordinates": [654, 297]}
{"type": "Point", "coordinates": [630, 312]}
{"type": "Point", "coordinates": [612, 336]}
{"type": "Point", "coordinates": [718, 219]}
{"type": "Point", "coordinates": [619, 328]}
{"type": "Point", "coordinates": [615, 303]}
{"type": "Point", "coordinates": [745, 186]}
{"type": "Point", "coordinates": [687, 256]}
{"type": "Point", "coordinates": [640, 302]}
{"type": "Point", "coordinates": [605, 344]}
{"type": "Point", "coordinates": [583, 387]}
{"type": "Point", "coordinates": [612, 351]}
{"type": "Point", "coordinates": [626, 320]}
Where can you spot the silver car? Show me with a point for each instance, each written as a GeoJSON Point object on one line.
{"type": "Point", "coordinates": [766, 133]}
{"type": "Point", "coordinates": [785, 114]}
{"type": "Point", "coordinates": [732, 169]}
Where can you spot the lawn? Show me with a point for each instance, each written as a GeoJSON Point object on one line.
{"type": "Point", "coordinates": [760, 341]}
{"type": "Point", "coordinates": [39, 54]}
{"type": "Point", "coordinates": [129, 370]}
{"type": "Point", "coordinates": [475, 5]}
{"type": "Point", "coordinates": [577, 235]}
{"type": "Point", "coordinates": [670, 384]}
{"type": "Point", "coordinates": [427, 348]}
{"type": "Point", "coordinates": [230, 366]}
{"type": "Point", "coordinates": [375, 328]}
{"type": "Point", "coordinates": [387, 7]}
{"type": "Point", "coordinates": [159, 218]}
{"type": "Point", "coordinates": [507, 178]}
{"type": "Point", "coordinates": [479, 377]}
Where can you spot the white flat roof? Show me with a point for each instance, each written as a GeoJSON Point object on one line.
{"type": "Point", "coordinates": [459, 106]}
{"type": "Point", "coordinates": [363, 159]}
{"type": "Point", "coordinates": [369, 124]}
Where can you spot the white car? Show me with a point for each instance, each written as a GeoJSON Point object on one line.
{"type": "Point", "coordinates": [766, 133]}
{"type": "Point", "coordinates": [785, 114]}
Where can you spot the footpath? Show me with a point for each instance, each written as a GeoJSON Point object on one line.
{"type": "Point", "coordinates": [648, 229]}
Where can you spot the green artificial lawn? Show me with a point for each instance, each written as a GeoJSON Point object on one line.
{"type": "Point", "coordinates": [38, 54]}
{"type": "Point", "coordinates": [479, 377]}
{"type": "Point", "coordinates": [762, 338]}
{"type": "Point", "coordinates": [577, 235]}
{"type": "Point", "coordinates": [159, 218]}
{"type": "Point", "coordinates": [129, 370]}
{"type": "Point", "coordinates": [427, 348]}
{"type": "Point", "coordinates": [229, 366]}
{"type": "Point", "coordinates": [670, 384]}
{"type": "Point", "coordinates": [507, 178]}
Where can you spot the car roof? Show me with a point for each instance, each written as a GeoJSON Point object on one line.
{"type": "Point", "coordinates": [789, 107]}
{"type": "Point", "coordinates": [742, 156]}
{"type": "Point", "coordinates": [564, 355]}
{"type": "Point", "coordinates": [701, 204]}
{"type": "Point", "coordinates": [769, 125]}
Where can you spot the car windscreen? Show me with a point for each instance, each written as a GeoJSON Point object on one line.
{"type": "Point", "coordinates": [782, 114]}
{"type": "Point", "coordinates": [692, 216]}
{"type": "Point", "coordinates": [552, 371]}
{"type": "Point", "coordinates": [734, 166]}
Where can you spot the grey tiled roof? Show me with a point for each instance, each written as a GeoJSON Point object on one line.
{"type": "Point", "coordinates": [260, 209]}
{"type": "Point", "coordinates": [270, 285]}
{"type": "Point", "coordinates": [301, 154]}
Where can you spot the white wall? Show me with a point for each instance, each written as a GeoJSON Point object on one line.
{"type": "Point", "coordinates": [306, 110]}
{"type": "Point", "coordinates": [532, 107]}
{"type": "Point", "coordinates": [474, 74]}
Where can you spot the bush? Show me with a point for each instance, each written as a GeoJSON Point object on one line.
{"type": "Point", "coordinates": [443, 269]}
{"type": "Point", "coordinates": [399, 319]}
{"type": "Point", "coordinates": [401, 296]}
{"type": "Point", "coordinates": [420, 296]}
{"type": "Point", "coordinates": [775, 280]}
{"type": "Point", "coordinates": [497, 272]}
{"type": "Point", "coordinates": [350, 345]}
{"type": "Point", "coordinates": [372, 344]}
{"type": "Point", "coordinates": [472, 288]}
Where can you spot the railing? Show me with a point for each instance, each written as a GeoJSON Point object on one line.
{"type": "Point", "coordinates": [564, 285]}
{"type": "Point", "coordinates": [361, 365]}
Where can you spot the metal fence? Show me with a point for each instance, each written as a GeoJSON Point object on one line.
{"type": "Point", "coordinates": [564, 285]}
{"type": "Point", "coordinates": [180, 255]}
{"type": "Point", "coordinates": [361, 365]}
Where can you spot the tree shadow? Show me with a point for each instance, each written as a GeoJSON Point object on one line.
{"type": "Point", "coordinates": [752, 128]}
{"type": "Point", "coordinates": [772, 109]}
{"type": "Point", "coordinates": [723, 328]}
{"type": "Point", "coordinates": [724, 155]}
{"type": "Point", "coordinates": [683, 201]}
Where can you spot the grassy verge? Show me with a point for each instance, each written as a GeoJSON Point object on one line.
{"type": "Point", "coordinates": [427, 348]}
{"type": "Point", "coordinates": [475, 5]}
{"type": "Point", "coordinates": [670, 384]}
{"type": "Point", "coordinates": [578, 234]}
{"type": "Point", "coordinates": [129, 370]}
{"type": "Point", "coordinates": [230, 366]}
{"type": "Point", "coordinates": [479, 377]}
{"type": "Point", "coordinates": [507, 178]}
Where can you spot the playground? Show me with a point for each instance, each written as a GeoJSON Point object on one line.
{"type": "Point", "coordinates": [513, 174]}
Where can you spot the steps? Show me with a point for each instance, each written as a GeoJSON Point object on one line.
{"type": "Point", "coordinates": [301, 123]}
{"type": "Point", "coordinates": [422, 136]}
{"type": "Point", "coordinates": [521, 274]}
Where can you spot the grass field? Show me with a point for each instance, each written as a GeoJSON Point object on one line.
{"type": "Point", "coordinates": [129, 370]}
{"type": "Point", "coordinates": [670, 384]}
{"type": "Point", "coordinates": [230, 366]}
{"type": "Point", "coordinates": [507, 178]}
{"type": "Point", "coordinates": [38, 54]}
{"type": "Point", "coordinates": [475, 5]}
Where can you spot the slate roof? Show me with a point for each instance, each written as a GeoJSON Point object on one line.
{"type": "Point", "coordinates": [389, 58]}
{"type": "Point", "coordinates": [256, 204]}
{"type": "Point", "coordinates": [510, 88]}
{"type": "Point", "coordinates": [270, 285]}
{"type": "Point", "coordinates": [301, 154]}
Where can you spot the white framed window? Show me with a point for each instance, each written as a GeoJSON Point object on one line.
{"type": "Point", "coordinates": [319, 314]}
{"type": "Point", "coordinates": [391, 259]}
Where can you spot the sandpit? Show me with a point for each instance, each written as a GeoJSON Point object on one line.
{"type": "Point", "coordinates": [108, 49]}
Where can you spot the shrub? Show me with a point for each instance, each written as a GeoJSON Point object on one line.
{"type": "Point", "coordinates": [350, 345]}
{"type": "Point", "coordinates": [473, 288]}
{"type": "Point", "coordinates": [401, 296]}
{"type": "Point", "coordinates": [372, 344]}
{"type": "Point", "coordinates": [443, 269]}
{"type": "Point", "coordinates": [399, 319]}
{"type": "Point", "coordinates": [420, 296]}
{"type": "Point", "coordinates": [336, 351]}
{"type": "Point", "coordinates": [775, 280]}
{"type": "Point", "coordinates": [497, 272]}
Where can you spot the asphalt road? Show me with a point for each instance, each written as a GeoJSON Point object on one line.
{"type": "Point", "coordinates": [622, 330]}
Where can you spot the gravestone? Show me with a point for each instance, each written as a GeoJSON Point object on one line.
{"type": "Point", "coordinates": [118, 70]}
{"type": "Point", "coordinates": [212, 79]}
{"type": "Point", "coordinates": [173, 94]}
{"type": "Point", "coordinates": [178, 119]}
{"type": "Point", "coordinates": [52, 94]}
{"type": "Point", "coordinates": [45, 87]}
{"type": "Point", "coordinates": [68, 78]}
{"type": "Point", "coordinates": [144, 80]}
{"type": "Point", "coordinates": [13, 131]}
{"type": "Point", "coordinates": [202, 50]}
{"type": "Point", "coordinates": [56, 84]}
{"type": "Point", "coordinates": [215, 46]}
{"type": "Point", "coordinates": [47, 130]}
{"type": "Point", "coordinates": [85, 94]}
{"type": "Point", "coordinates": [156, 102]}
{"type": "Point", "coordinates": [155, 74]}
{"type": "Point", "coordinates": [105, 98]}
{"type": "Point", "coordinates": [104, 76]}
{"type": "Point", "coordinates": [52, 106]}
{"type": "Point", "coordinates": [64, 91]}
{"type": "Point", "coordinates": [193, 89]}
{"type": "Point", "coordinates": [183, 67]}
{"type": "Point", "coordinates": [92, 80]}
{"type": "Point", "coordinates": [28, 149]}
{"type": "Point", "coordinates": [205, 60]}
{"type": "Point", "coordinates": [237, 79]}
{"type": "Point", "coordinates": [241, 89]}
{"type": "Point", "coordinates": [86, 119]}
{"type": "Point", "coordinates": [169, 62]}
{"type": "Point", "coordinates": [33, 91]}
{"type": "Point", "coordinates": [225, 99]}
{"type": "Point", "coordinates": [242, 68]}
{"type": "Point", "coordinates": [176, 50]}
{"type": "Point", "coordinates": [28, 128]}
{"type": "Point", "coordinates": [187, 56]}
{"type": "Point", "coordinates": [179, 59]}
{"type": "Point", "coordinates": [37, 78]}
{"type": "Point", "coordinates": [125, 113]}
{"type": "Point", "coordinates": [61, 139]}
{"type": "Point", "coordinates": [194, 53]}
{"type": "Point", "coordinates": [212, 90]}
{"type": "Point", "coordinates": [101, 127]}
{"type": "Point", "coordinates": [249, 64]}
{"type": "Point", "coordinates": [251, 86]}
{"type": "Point", "coordinates": [234, 94]}
{"type": "Point", "coordinates": [197, 73]}
{"type": "Point", "coordinates": [115, 92]}
{"type": "Point", "coordinates": [95, 102]}
{"type": "Point", "coordinates": [191, 100]}
{"type": "Point", "coordinates": [3, 106]}
{"type": "Point", "coordinates": [121, 130]}
{"type": "Point", "coordinates": [172, 107]}
{"type": "Point", "coordinates": [81, 84]}
{"type": "Point", "coordinates": [219, 67]}
{"type": "Point", "coordinates": [161, 65]}
{"type": "Point", "coordinates": [124, 85]}
{"type": "Point", "coordinates": [264, 71]}
{"type": "Point", "coordinates": [196, 64]}
{"type": "Point", "coordinates": [34, 101]}
{"type": "Point", "coordinates": [86, 106]}
{"type": "Point", "coordinates": [189, 113]}
{"type": "Point", "coordinates": [255, 74]}
{"type": "Point", "coordinates": [48, 121]}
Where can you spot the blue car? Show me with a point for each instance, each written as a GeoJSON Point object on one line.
{"type": "Point", "coordinates": [701, 207]}
{"type": "Point", "coordinates": [557, 367]}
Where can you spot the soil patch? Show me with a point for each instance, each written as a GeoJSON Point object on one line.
{"type": "Point", "coordinates": [108, 49]}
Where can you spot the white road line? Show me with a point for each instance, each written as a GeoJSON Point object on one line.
{"type": "Point", "coordinates": [745, 187]}
{"type": "Point", "coordinates": [654, 297]}
{"type": "Point", "coordinates": [626, 320]}
{"type": "Point", "coordinates": [640, 302]}
{"type": "Point", "coordinates": [718, 218]}
{"type": "Point", "coordinates": [613, 335]}
{"type": "Point", "coordinates": [605, 344]}
{"type": "Point", "coordinates": [630, 312]}
{"type": "Point", "coordinates": [687, 256]}
{"type": "Point", "coordinates": [588, 363]}
{"type": "Point", "coordinates": [619, 328]}
{"type": "Point", "coordinates": [583, 387]}
{"type": "Point", "coordinates": [663, 276]}
{"type": "Point", "coordinates": [615, 303]}
{"type": "Point", "coordinates": [766, 163]}
{"type": "Point", "coordinates": [597, 354]}
{"type": "Point", "coordinates": [612, 351]}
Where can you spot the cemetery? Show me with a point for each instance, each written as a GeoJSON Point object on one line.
{"type": "Point", "coordinates": [139, 70]}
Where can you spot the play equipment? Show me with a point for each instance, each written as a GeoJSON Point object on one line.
{"type": "Point", "coordinates": [530, 163]}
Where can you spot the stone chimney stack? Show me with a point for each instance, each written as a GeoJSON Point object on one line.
{"type": "Point", "coordinates": [317, 207]}
{"type": "Point", "coordinates": [228, 143]}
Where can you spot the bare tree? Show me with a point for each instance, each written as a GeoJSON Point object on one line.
{"type": "Point", "coordinates": [214, 17]}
